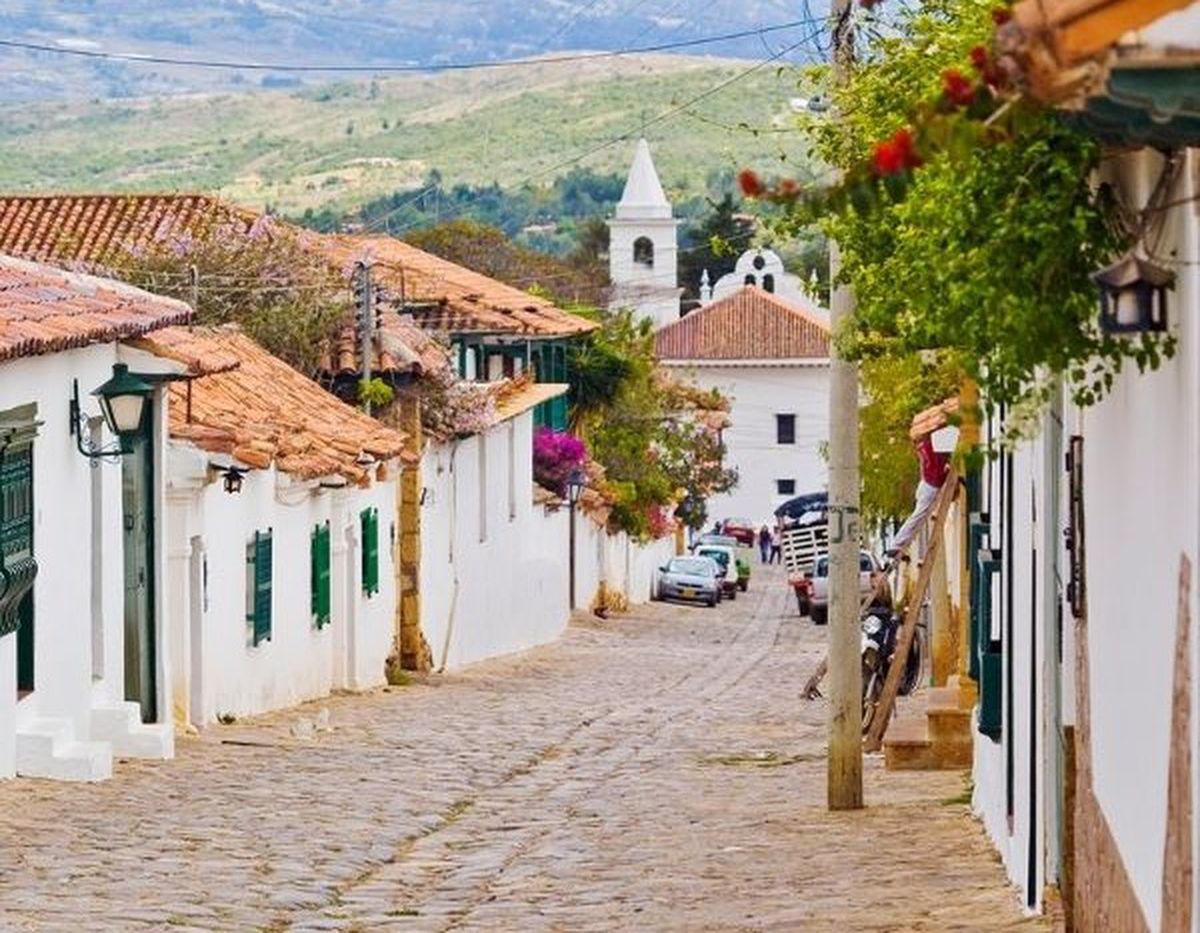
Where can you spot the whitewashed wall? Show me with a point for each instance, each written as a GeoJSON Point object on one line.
{"type": "Point", "coordinates": [79, 590]}
{"type": "Point", "coordinates": [1141, 497]}
{"type": "Point", "coordinates": [758, 393]}
{"type": "Point", "coordinates": [495, 566]}
{"type": "Point", "coordinates": [220, 670]}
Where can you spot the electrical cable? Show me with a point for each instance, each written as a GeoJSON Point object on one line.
{"type": "Point", "coordinates": [140, 59]}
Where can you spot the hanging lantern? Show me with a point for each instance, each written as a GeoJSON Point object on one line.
{"type": "Point", "coordinates": [1133, 296]}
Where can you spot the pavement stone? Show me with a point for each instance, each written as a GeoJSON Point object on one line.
{"type": "Point", "coordinates": [655, 771]}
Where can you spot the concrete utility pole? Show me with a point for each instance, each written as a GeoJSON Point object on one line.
{"type": "Point", "coordinates": [845, 785]}
{"type": "Point", "coordinates": [366, 323]}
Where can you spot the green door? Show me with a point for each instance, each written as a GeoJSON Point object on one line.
{"type": "Point", "coordinates": [137, 507]}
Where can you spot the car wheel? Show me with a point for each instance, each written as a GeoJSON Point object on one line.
{"type": "Point", "coordinates": [819, 614]}
{"type": "Point", "coordinates": [743, 585]}
{"type": "Point", "coordinates": [802, 603]}
{"type": "Point", "coordinates": [712, 601]}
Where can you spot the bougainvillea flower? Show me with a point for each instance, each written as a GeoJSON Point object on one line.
{"type": "Point", "coordinates": [896, 155]}
{"type": "Point", "coordinates": [979, 58]}
{"type": "Point", "coordinates": [958, 90]}
{"type": "Point", "coordinates": [750, 183]}
{"type": "Point", "coordinates": [1001, 15]}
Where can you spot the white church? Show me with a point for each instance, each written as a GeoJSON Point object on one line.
{"type": "Point", "coordinates": [759, 337]}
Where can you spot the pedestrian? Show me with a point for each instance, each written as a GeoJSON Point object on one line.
{"type": "Point", "coordinates": [764, 543]}
{"type": "Point", "coordinates": [776, 546]}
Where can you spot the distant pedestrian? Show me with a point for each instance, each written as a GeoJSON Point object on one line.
{"type": "Point", "coordinates": [764, 543]}
{"type": "Point", "coordinates": [776, 546]}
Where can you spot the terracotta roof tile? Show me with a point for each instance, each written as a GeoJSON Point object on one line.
{"type": "Point", "coordinates": [45, 310]}
{"type": "Point", "coordinates": [264, 412]}
{"type": "Point", "coordinates": [450, 298]}
{"type": "Point", "coordinates": [87, 229]}
{"type": "Point", "coordinates": [750, 324]}
{"type": "Point", "coordinates": [400, 346]}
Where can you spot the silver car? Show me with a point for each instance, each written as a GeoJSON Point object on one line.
{"type": "Point", "coordinates": [869, 571]}
{"type": "Point", "coordinates": [690, 578]}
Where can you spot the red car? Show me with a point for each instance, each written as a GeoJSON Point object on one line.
{"type": "Point", "coordinates": [741, 528]}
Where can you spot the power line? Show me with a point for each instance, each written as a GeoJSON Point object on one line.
{"type": "Point", "coordinates": [376, 224]}
{"type": "Point", "coordinates": [139, 59]}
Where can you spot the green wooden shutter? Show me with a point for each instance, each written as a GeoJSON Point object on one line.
{"type": "Point", "coordinates": [991, 660]}
{"type": "Point", "coordinates": [319, 584]}
{"type": "Point", "coordinates": [369, 519]}
{"type": "Point", "coordinates": [262, 586]}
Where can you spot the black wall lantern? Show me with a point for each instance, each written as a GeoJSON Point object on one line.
{"type": "Point", "coordinates": [233, 479]}
{"type": "Point", "coordinates": [123, 402]}
{"type": "Point", "coordinates": [1133, 296]}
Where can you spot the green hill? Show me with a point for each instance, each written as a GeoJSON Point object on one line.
{"type": "Point", "coordinates": [340, 145]}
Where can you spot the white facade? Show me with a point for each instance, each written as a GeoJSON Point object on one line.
{"type": "Point", "coordinates": [760, 393]}
{"type": "Point", "coordinates": [763, 269]}
{"type": "Point", "coordinates": [220, 671]}
{"type": "Point", "coordinates": [493, 564]}
{"type": "Point", "coordinates": [643, 245]}
{"type": "Point", "coordinates": [77, 716]}
{"type": "Point", "coordinates": [1141, 500]}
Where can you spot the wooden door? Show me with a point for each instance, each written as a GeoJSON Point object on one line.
{"type": "Point", "coordinates": [137, 504]}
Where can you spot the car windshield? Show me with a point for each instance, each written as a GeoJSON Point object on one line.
{"type": "Point", "coordinates": [720, 539]}
{"type": "Point", "coordinates": [864, 565]}
{"type": "Point", "coordinates": [697, 567]}
{"type": "Point", "coordinates": [721, 557]}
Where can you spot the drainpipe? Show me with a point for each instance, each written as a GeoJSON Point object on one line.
{"type": "Point", "coordinates": [453, 564]}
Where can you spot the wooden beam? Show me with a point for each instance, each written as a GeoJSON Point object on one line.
{"type": "Point", "coordinates": [891, 686]}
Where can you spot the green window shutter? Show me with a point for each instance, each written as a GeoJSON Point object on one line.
{"type": "Point", "coordinates": [262, 586]}
{"type": "Point", "coordinates": [370, 551]}
{"type": "Point", "coordinates": [991, 656]}
{"type": "Point", "coordinates": [320, 576]}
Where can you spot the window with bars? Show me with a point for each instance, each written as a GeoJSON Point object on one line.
{"type": "Point", "coordinates": [785, 429]}
{"type": "Point", "coordinates": [369, 522]}
{"type": "Point", "coordinates": [320, 573]}
{"type": "Point", "coordinates": [259, 559]}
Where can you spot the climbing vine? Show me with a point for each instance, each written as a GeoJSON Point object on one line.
{"type": "Point", "coordinates": [968, 219]}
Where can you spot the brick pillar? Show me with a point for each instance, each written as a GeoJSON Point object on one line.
{"type": "Point", "coordinates": [411, 647]}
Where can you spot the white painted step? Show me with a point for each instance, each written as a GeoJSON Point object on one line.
{"type": "Point", "coordinates": [121, 726]}
{"type": "Point", "coordinates": [47, 748]}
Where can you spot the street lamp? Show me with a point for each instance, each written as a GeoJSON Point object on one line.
{"type": "Point", "coordinates": [123, 401]}
{"type": "Point", "coordinates": [1133, 295]}
{"type": "Point", "coordinates": [575, 486]}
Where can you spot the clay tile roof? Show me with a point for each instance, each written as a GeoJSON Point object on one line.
{"type": "Point", "coordinates": [45, 310]}
{"type": "Point", "coordinates": [264, 412]}
{"type": "Point", "coordinates": [89, 228]}
{"type": "Point", "coordinates": [447, 297]}
{"type": "Point", "coordinates": [933, 418]}
{"type": "Point", "coordinates": [750, 324]}
{"type": "Point", "coordinates": [400, 346]}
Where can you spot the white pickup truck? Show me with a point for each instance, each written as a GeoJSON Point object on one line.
{"type": "Point", "coordinates": [869, 569]}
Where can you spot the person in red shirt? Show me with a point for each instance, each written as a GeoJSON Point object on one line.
{"type": "Point", "coordinates": [934, 468]}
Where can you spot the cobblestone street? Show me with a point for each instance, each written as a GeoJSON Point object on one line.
{"type": "Point", "coordinates": [655, 772]}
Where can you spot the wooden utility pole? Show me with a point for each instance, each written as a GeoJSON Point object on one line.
{"type": "Point", "coordinates": [844, 776]}
{"type": "Point", "coordinates": [365, 299]}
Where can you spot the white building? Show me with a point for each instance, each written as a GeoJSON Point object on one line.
{"type": "Point", "coordinates": [763, 268]}
{"type": "Point", "coordinates": [772, 360]}
{"type": "Point", "coordinates": [643, 245]}
{"type": "Point", "coordinates": [494, 575]}
{"type": "Point", "coordinates": [82, 672]}
{"type": "Point", "coordinates": [281, 508]}
{"type": "Point", "coordinates": [1083, 540]}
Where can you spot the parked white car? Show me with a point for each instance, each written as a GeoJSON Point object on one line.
{"type": "Point", "coordinates": [726, 559]}
{"type": "Point", "coordinates": [868, 569]}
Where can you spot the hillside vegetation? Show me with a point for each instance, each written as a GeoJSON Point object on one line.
{"type": "Point", "coordinates": [338, 146]}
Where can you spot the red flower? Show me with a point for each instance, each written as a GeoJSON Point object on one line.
{"type": "Point", "coordinates": [869, 4]}
{"type": "Point", "coordinates": [1001, 15]}
{"type": "Point", "coordinates": [750, 184]}
{"type": "Point", "coordinates": [958, 89]}
{"type": "Point", "coordinates": [789, 188]}
{"type": "Point", "coordinates": [895, 155]}
{"type": "Point", "coordinates": [979, 58]}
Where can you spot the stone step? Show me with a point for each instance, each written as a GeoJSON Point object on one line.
{"type": "Point", "coordinates": [47, 748]}
{"type": "Point", "coordinates": [120, 724]}
{"type": "Point", "coordinates": [908, 746]}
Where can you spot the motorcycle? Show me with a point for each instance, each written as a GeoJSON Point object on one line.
{"type": "Point", "coordinates": [880, 631]}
